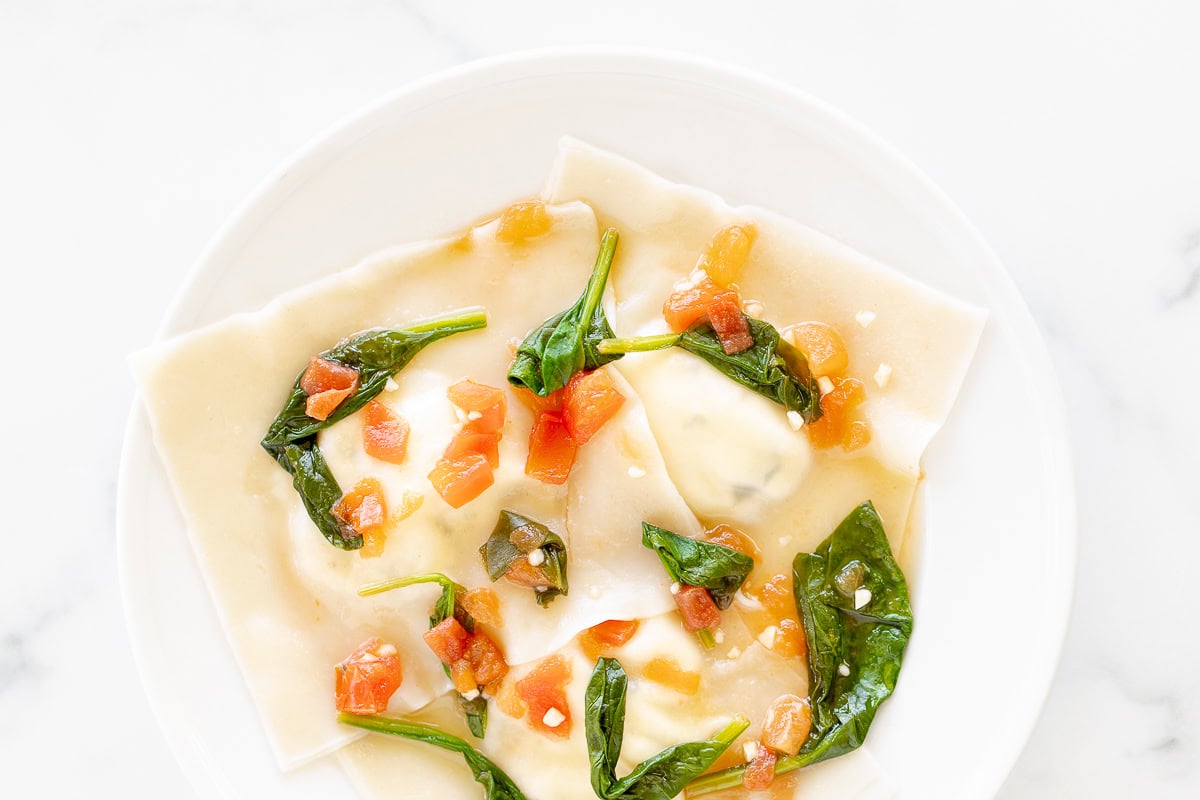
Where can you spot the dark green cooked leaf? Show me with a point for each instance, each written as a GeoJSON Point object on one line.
{"type": "Point", "coordinates": [496, 784]}
{"type": "Point", "coordinates": [516, 537]}
{"type": "Point", "coordinates": [719, 569]}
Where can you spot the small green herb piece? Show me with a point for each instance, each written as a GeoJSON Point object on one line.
{"type": "Point", "coordinates": [516, 537]}
{"type": "Point", "coordinates": [860, 633]}
{"type": "Point", "coordinates": [660, 777]}
{"type": "Point", "coordinates": [773, 367]}
{"type": "Point", "coordinates": [692, 562]}
{"type": "Point", "coordinates": [566, 343]}
{"type": "Point", "coordinates": [496, 784]}
{"type": "Point", "coordinates": [376, 355]}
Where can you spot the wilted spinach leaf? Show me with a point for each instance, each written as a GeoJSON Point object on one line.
{"type": "Point", "coordinates": [773, 368]}
{"type": "Point", "coordinates": [867, 642]}
{"type": "Point", "coordinates": [292, 437]}
{"type": "Point", "coordinates": [692, 562]}
{"type": "Point", "coordinates": [516, 537]}
{"type": "Point", "coordinates": [566, 343]}
{"type": "Point", "coordinates": [660, 777]}
{"type": "Point", "coordinates": [496, 784]}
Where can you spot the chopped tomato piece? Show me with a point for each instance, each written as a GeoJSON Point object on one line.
{"type": "Point", "coordinates": [461, 480]}
{"type": "Point", "coordinates": [385, 434]}
{"type": "Point", "coordinates": [726, 254]}
{"type": "Point", "coordinates": [729, 323]}
{"type": "Point", "coordinates": [327, 383]}
{"type": "Point", "coordinates": [761, 771]}
{"type": "Point", "coordinates": [690, 301]}
{"type": "Point", "coordinates": [374, 540]}
{"type": "Point", "coordinates": [463, 677]}
{"type": "Point", "coordinates": [790, 641]}
{"type": "Point", "coordinates": [729, 536]}
{"type": "Point", "coordinates": [666, 672]}
{"type": "Point", "coordinates": [362, 508]}
{"type": "Point", "coordinates": [522, 221]}
{"type": "Point", "coordinates": [522, 573]}
{"type": "Point", "coordinates": [834, 426]}
{"type": "Point", "coordinates": [467, 443]}
{"type": "Point", "coordinates": [602, 638]}
{"type": "Point", "coordinates": [551, 450]}
{"type": "Point", "coordinates": [320, 406]}
{"type": "Point", "coordinates": [822, 345]}
{"type": "Point", "coordinates": [787, 725]}
{"type": "Point", "coordinates": [591, 400]}
{"type": "Point", "coordinates": [367, 679]}
{"type": "Point", "coordinates": [858, 435]}
{"type": "Point", "coordinates": [483, 605]}
{"type": "Point", "coordinates": [697, 608]}
{"type": "Point", "coordinates": [448, 640]}
{"type": "Point", "coordinates": [486, 659]}
{"type": "Point", "coordinates": [538, 404]}
{"type": "Point", "coordinates": [543, 691]}
{"type": "Point", "coordinates": [509, 701]}
{"type": "Point", "coordinates": [485, 405]}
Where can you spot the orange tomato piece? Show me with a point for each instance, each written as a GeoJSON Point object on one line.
{"type": "Point", "coordinates": [486, 659]}
{"type": "Point", "coordinates": [522, 573]}
{"type": "Point", "coordinates": [666, 672]}
{"type": "Point", "coordinates": [366, 680]}
{"type": "Point", "coordinates": [551, 450]}
{"type": "Point", "coordinates": [463, 677]}
{"type": "Point", "coordinates": [729, 536]}
{"type": "Point", "coordinates": [690, 301]}
{"type": "Point", "coordinates": [543, 689]}
{"type": "Point", "coordinates": [761, 771]}
{"type": "Point", "coordinates": [363, 507]}
{"type": "Point", "coordinates": [385, 434]}
{"type": "Point", "coordinates": [729, 323]}
{"type": "Point", "coordinates": [727, 252]}
{"type": "Point", "coordinates": [858, 435]}
{"type": "Point", "coordinates": [466, 443]}
{"type": "Point", "coordinates": [483, 605]}
{"type": "Point", "coordinates": [461, 480]}
{"type": "Point", "coordinates": [697, 608]}
{"type": "Point", "coordinates": [522, 221]}
{"type": "Point", "coordinates": [327, 383]}
{"type": "Point", "coordinates": [591, 400]}
{"type": "Point", "coordinates": [790, 641]}
{"type": "Point", "coordinates": [603, 637]}
{"type": "Point", "coordinates": [822, 345]}
{"type": "Point", "coordinates": [787, 724]}
{"type": "Point", "coordinates": [538, 404]}
{"type": "Point", "coordinates": [486, 404]}
{"type": "Point", "coordinates": [448, 640]}
{"type": "Point", "coordinates": [834, 426]}
{"type": "Point", "coordinates": [509, 701]}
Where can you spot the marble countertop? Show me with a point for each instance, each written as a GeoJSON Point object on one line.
{"type": "Point", "coordinates": [1066, 129]}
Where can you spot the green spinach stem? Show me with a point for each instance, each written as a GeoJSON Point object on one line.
{"type": "Point", "coordinates": [380, 587]}
{"type": "Point", "coordinates": [706, 638]}
{"type": "Point", "coordinates": [638, 344]}
{"type": "Point", "coordinates": [468, 319]}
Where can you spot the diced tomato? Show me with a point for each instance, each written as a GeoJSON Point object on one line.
{"type": "Point", "coordinates": [327, 383]}
{"type": "Point", "coordinates": [602, 638]}
{"type": "Point", "coordinates": [363, 507]}
{"type": "Point", "coordinates": [730, 325]}
{"type": "Point", "coordinates": [666, 672]}
{"type": "Point", "coordinates": [697, 608]}
{"type": "Point", "coordinates": [320, 406]}
{"type": "Point", "coordinates": [385, 434]}
{"type": "Point", "coordinates": [522, 221]}
{"type": "Point", "coordinates": [551, 450]}
{"type": "Point", "coordinates": [857, 435]}
{"type": "Point", "coordinates": [822, 346]}
{"type": "Point", "coordinates": [777, 608]}
{"type": "Point", "coordinates": [467, 443]}
{"type": "Point", "coordinates": [508, 700]}
{"type": "Point", "coordinates": [463, 677]}
{"type": "Point", "coordinates": [834, 426]}
{"type": "Point", "coordinates": [448, 640]}
{"type": "Point", "coordinates": [461, 480]}
{"type": "Point", "coordinates": [483, 605]}
{"type": "Point", "coordinates": [538, 404]}
{"type": "Point", "coordinates": [761, 771]}
{"type": "Point", "coordinates": [689, 302]}
{"type": "Point", "coordinates": [591, 400]}
{"type": "Point", "coordinates": [726, 254]}
{"type": "Point", "coordinates": [486, 403]}
{"type": "Point", "coordinates": [787, 725]}
{"type": "Point", "coordinates": [543, 689]}
{"type": "Point", "coordinates": [486, 659]}
{"type": "Point", "coordinates": [729, 536]}
{"type": "Point", "coordinates": [522, 573]}
{"type": "Point", "coordinates": [367, 679]}
{"type": "Point", "coordinates": [790, 641]}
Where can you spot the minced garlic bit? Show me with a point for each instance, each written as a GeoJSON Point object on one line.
{"type": "Point", "coordinates": [471, 695]}
{"type": "Point", "coordinates": [844, 669]}
{"type": "Point", "coordinates": [391, 385]}
{"type": "Point", "coordinates": [387, 650]}
{"type": "Point", "coordinates": [369, 657]}
{"type": "Point", "coordinates": [749, 750]}
{"type": "Point", "coordinates": [459, 414]}
{"type": "Point", "coordinates": [865, 318]}
{"type": "Point", "coordinates": [536, 557]}
{"type": "Point", "coordinates": [825, 383]}
{"type": "Point", "coordinates": [718, 636]}
{"type": "Point", "coordinates": [636, 472]}
{"type": "Point", "coordinates": [767, 637]}
{"type": "Point", "coordinates": [862, 596]}
{"type": "Point", "coordinates": [734, 652]}
{"type": "Point", "coordinates": [541, 588]}
{"type": "Point", "coordinates": [553, 718]}
{"type": "Point", "coordinates": [474, 415]}
{"type": "Point", "coordinates": [676, 588]}
{"type": "Point", "coordinates": [753, 308]}
{"type": "Point", "coordinates": [883, 375]}
{"type": "Point", "coordinates": [795, 420]}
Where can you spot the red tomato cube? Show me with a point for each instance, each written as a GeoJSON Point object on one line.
{"type": "Point", "coordinates": [591, 400]}
{"type": "Point", "coordinates": [551, 450]}
{"type": "Point", "coordinates": [697, 608]}
{"type": "Point", "coordinates": [367, 679]}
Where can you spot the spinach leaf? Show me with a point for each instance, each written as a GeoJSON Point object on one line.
{"type": "Point", "coordinates": [566, 343]}
{"type": "Point", "coordinates": [660, 777]}
{"type": "Point", "coordinates": [516, 537]}
{"type": "Point", "coordinates": [292, 437]}
{"type": "Point", "coordinates": [860, 633]}
{"type": "Point", "coordinates": [496, 784]}
{"type": "Point", "coordinates": [773, 368]}
{"type": "Point", "coordinates": [475, 712]}
{"type": "Point", "coordinates": [719, 569]}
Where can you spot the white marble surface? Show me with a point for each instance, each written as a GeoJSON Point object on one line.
{"type": "Point", "coordinates": [1069, 131]}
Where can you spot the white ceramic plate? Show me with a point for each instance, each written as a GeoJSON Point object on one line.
{"type": "Point", "coordinates": [995, 571]}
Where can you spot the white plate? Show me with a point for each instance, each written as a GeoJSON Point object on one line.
{"type": "Point", "coordinates": [994, 575]}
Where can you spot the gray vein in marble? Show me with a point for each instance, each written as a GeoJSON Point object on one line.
{"type": "Point", "coordinates": [1191, 264]}
{"type": "Point", "coordinates": [460, 51]}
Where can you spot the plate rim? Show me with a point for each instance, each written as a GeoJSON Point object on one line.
{"type": "Point", "coordinates": [296, 168]}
